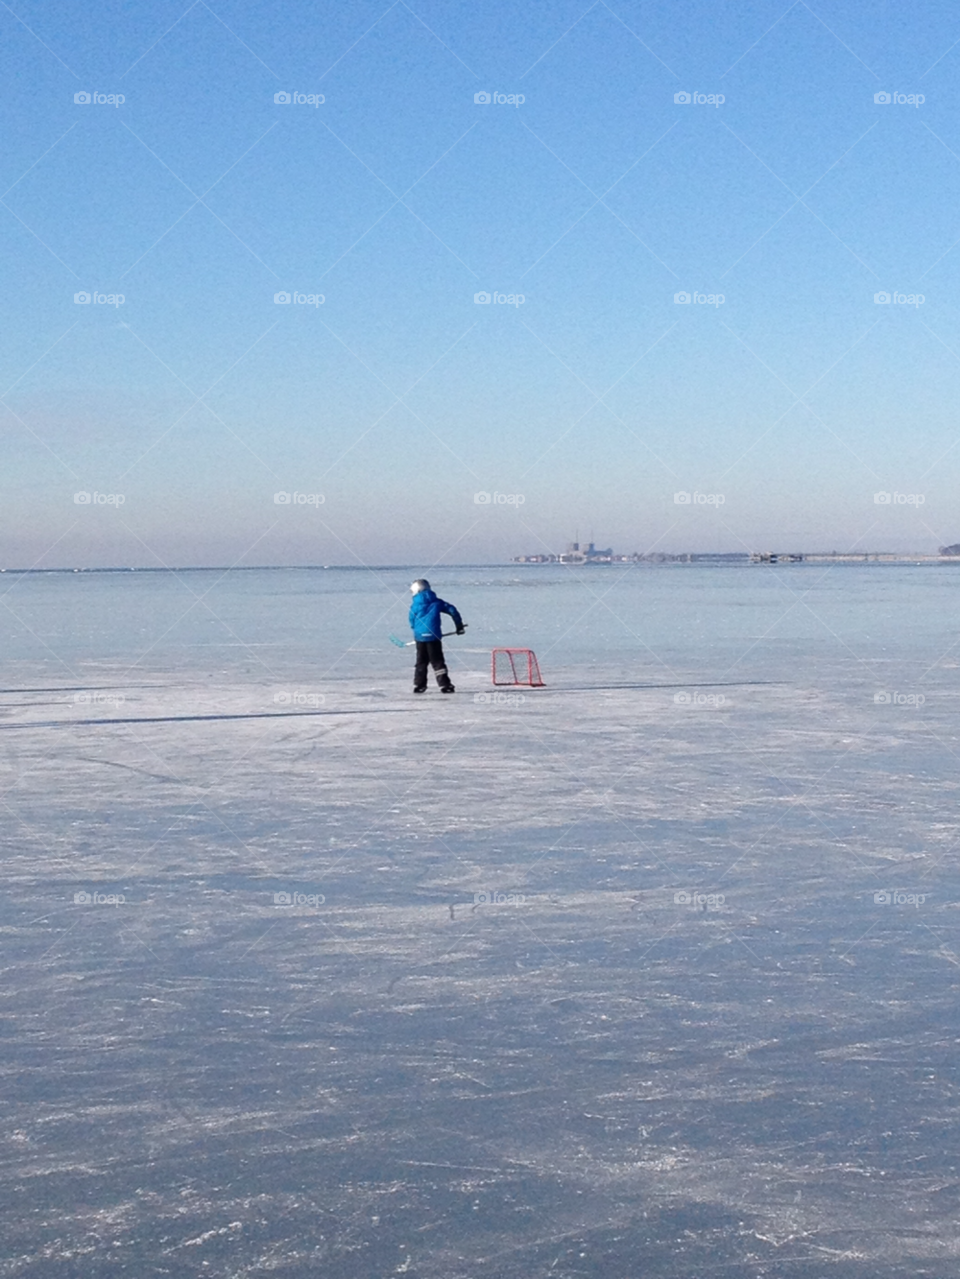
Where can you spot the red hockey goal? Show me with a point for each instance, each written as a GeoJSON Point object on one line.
{"type": "Point", "coordinates": [515, 666]}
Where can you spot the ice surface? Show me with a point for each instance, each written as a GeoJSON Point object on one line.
{"type": "Point", "coordinates": [585, 1078]}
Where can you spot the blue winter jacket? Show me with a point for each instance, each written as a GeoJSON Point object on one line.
{"type": "Point", "coordinates": [425, 611]}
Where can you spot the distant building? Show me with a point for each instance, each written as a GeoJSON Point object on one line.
{"type": "Point", "coordinates": [588, 555]}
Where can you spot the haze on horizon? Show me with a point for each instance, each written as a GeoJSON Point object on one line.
{"type": "Point", "coordinates": [826, 179]}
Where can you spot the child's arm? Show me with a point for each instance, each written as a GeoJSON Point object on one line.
{"type": "Point", "coordinates": [457, 619]}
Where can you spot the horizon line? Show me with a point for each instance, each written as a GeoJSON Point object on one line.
{"type": "Point", "coordinates": [674, 557]}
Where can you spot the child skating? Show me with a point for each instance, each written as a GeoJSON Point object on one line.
{"type": "Point", "coordinates": [426, 611]}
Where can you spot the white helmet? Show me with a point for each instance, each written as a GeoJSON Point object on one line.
{"type": "Point", "coordinates": [421, 584]}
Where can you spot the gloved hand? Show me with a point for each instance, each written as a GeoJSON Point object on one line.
{"type": "Point", "coordinates": [461, 629]}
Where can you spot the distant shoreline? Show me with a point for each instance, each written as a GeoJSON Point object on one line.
{"type": "Point", "coordinates": [681, 560]}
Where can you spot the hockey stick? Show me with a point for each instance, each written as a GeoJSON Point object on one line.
{"type": "Point", "coordinates": [409, 643]}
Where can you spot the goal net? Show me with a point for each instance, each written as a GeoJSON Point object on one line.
{"type": "Point", "coordinates": [516, 666]}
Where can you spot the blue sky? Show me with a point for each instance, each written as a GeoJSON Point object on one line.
{"type": "Point", "coordinates": [797, 199]}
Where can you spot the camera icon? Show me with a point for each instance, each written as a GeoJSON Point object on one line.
{"type": "Point", "coordinates": [682, 898]}
{"type": "Point", "coordinates": [881, 499]}
{"type": "Point", "coordinates": [882, 699]}
{"type": "Point", "coordinates": [282, 899]}
{"type": "Point", "coordinates": [881, 298]}
{"type": "Point", "coordinates": [82, 499]}
{"type": "Point", "coordinates": [481, 297]}
{"type": "Point", "coordinates": [81, 298]}
{"type": "Point", "coordinates": [81, 699]}
{"type": "Point", "coordinates": [81, 98]}
{"type": "Point", "coordinates": [281, 499]}
{"type": "Point", "coordinates": [682, 699]}
{"type": "Point", "coordinates": [681, 98]}
{"type": "Point", "coordinates": [81, 899]}
{"type": "Point", "coordinates": [481, 499]}
{"type": "Point", "coordinates": [282, 698]}
{"type": "Point", "coordinates": [481, 698]}
{"type": "Point", "coordinates": [681, 297]}
{"type": "Point", "coordinates": [482, 898]}
{"type": "Point", "coordinates": [883, 898]}
{"type": "Point", "coordinates": [281, 298]}
{"type": "Point", "coordinates": [281, 97]}
{"type": "Point", "coordinates": [482, 98]}
{"type": "Point", "coordinates": [681, 499]}
{"type": "Point", "coordinates": [882, 98]}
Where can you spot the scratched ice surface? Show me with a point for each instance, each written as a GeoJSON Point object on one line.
{"type": "Point", "coordinates": [487, 1040]}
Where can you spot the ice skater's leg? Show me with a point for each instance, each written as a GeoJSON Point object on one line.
{"type": "Point", "coordinates": [438, 662]}
{"type": "Point", "coordinates": [420, 669]}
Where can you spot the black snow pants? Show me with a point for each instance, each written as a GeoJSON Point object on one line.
{"type": "Point", "coordinates": [430, 651]}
